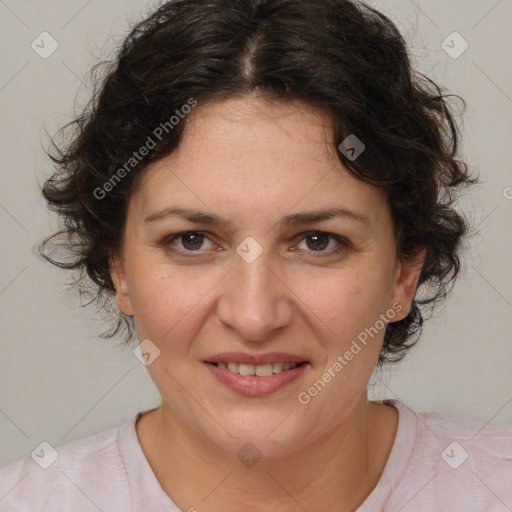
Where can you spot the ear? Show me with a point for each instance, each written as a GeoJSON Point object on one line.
{"type": "Point", "coordinates": [118, 275]}
{"type": "Point", "coordinates": [407, 274]}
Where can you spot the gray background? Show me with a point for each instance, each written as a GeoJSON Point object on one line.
{"type": "Point", "coordinates": [59, 381]}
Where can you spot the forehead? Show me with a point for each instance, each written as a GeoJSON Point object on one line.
{"type": "Point", "coordinates": [255, 153]}
{"type": "Point", "coordinates": [257, 131]}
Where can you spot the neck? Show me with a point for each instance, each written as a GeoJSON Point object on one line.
{"type": "Point", "coordinates": [335, 472]}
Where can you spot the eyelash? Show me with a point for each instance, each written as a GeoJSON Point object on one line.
{"type": "Point", "coordinates": [343, 243]}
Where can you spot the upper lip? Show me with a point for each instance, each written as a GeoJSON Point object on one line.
{"type": "Point", "coordinates": [244, 358]}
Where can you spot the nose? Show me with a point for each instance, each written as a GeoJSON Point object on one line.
{"type": "Point", "coordinates": [255, 300]}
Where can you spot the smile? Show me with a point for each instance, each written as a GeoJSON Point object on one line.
{"type": "Point", "coordinates": [260, 370]}
{"type": "Point", "coordinates": [258, 380]}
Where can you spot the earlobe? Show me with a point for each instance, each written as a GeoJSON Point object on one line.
{"type": "Point", "coordinates": [118, 275]}
{"type": "Point", "coordinates": [408, 274]}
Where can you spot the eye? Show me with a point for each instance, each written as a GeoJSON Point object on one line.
{"type": "Point", "coordinates": [318, 242]}
{"type": "Point", "coordinates": [190, 241]}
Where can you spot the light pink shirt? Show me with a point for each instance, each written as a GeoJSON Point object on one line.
{"type": "Point", "coordinates": [437, 464]}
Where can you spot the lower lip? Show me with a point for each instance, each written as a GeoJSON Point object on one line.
{"type": "Point", "coordinates": [252, 385]}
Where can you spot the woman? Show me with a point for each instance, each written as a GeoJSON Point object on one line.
{"type": "Point", "coordinates": [262, 186]}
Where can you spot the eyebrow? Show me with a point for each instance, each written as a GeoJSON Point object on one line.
{"type": "Point", "coordinates": [307, 217]}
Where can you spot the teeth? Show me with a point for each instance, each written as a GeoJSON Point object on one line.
{"type": "Point", "coordinates": [277, 367]}
{"type": "Point", "coordinates": [264, 370]}
{"type": "Point", "coordinates": [246, 369]}
{"type": "Point", "coordinates": [233, 367]}
{"type": "Point", "coordinates": [261, 370]}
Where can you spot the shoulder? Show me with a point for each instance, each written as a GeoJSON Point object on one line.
{"type": "Point", "coordinates": [456, 463]}
{"type": "Point", "coordinates": [485, 446]}
{"type": "Point", "coordinates": [71, 476]}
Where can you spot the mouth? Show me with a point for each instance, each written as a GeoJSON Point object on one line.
{"type": "Point", "coordinates": [256, 375]}
{"type": "Point", "coordinates": [259, 370]}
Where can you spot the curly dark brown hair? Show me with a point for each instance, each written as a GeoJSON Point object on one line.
{"type": "Point", "coordinates": [340, 56]}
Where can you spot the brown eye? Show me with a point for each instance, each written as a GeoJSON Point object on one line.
{"type": "Point", "coordinates": [317, 241]}
{"type": "Point", "coordinates": [192, 241]}
{"type": "Point", "coordinates": [188, 242]}
{"type": "Point", "coordinates": [323, 243]}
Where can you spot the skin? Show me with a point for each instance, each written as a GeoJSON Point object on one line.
{"type": "Point", "coordinates": [252, 162]}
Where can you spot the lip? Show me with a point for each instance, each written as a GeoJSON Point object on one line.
{"type": "Point", "coordinates": [253, 385]}
{"type": "Point", "coordinates": [245, 358]}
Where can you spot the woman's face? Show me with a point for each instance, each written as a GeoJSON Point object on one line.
{"type": "Point", "coordinates": [264, 274]}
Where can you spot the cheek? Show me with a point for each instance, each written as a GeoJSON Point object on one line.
{"type": "Point", "coordinates": [346, 316]}
{"type": "Point", "coordinates": [165, 300]}
{"type": "Point", "coordinates": [347, 303]}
